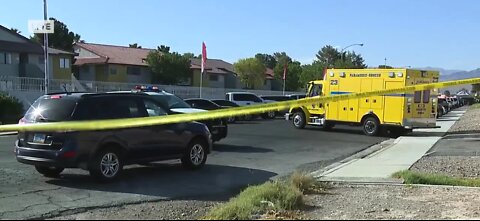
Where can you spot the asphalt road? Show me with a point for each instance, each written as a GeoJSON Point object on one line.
{"type": "Point", "coordinates": [253, 153]}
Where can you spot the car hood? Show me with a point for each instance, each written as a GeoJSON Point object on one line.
{"type": "Point", "coordinates": [186, 110]}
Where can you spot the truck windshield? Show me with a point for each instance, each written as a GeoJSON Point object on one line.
{"type": "Point", "coordinates": [316, 90]}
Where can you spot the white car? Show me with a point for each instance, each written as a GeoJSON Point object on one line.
{"type": "Point", "coordinates": [246, 98]}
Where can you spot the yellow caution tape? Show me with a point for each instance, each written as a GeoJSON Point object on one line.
{"type": "Point", "coordinates": [224, 113]}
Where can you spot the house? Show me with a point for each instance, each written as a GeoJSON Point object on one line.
{"type": "Point", "coordinates": [22, 57]}
{"type": "Point", "coordinates": [218, 74]}
{"type": "Point", "coordinates": [109, 63]}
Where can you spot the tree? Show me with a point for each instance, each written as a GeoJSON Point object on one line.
{"type": "Point", "coordinates": [294, 70]}
{"type": "Point", "coordinates": [62, 38]}
{"type": "Point", "coordinates": [167, 67]}
{"type": "Point", "coordinates": [251, 72]}
{"type": "Point", "coordinates": [332, 58]}
{"type": "Point", "coordinates": [192, 55]}
{"type": "Point", "coordinates": [134, 45]}
{"type": "Point", "coordinates": [310, 72]}
{"type": "Point", "coordinates": [163, 48]}
{"type": "Point", "coordinates": [328, 55]}
{"type": "Point", "coordinates": [268, 60]}
{"type": "Point", "coordinates": [282, 58]}
{"type": "Point", "coordinates": [385, 67]}
{"type": "Point", "coordinates": [16, 31]}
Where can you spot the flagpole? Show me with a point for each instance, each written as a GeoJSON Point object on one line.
{"type": "Point", "coordinates": [45, 47]}
{"type": "Point", "coordinates": [201, 82]}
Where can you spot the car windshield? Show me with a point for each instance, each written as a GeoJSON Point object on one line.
{"type": "Point", "coordinates": [50, 110]}
{"type": "Point", "coordinates": [170, 101]}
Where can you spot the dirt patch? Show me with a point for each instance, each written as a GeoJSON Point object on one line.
{"type": "Point", "coordinates": [395, 202]}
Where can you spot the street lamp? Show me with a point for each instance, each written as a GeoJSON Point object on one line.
{"type": "Point", "coordinates": [361, 45]}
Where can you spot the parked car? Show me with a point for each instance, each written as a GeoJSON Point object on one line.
{"type": "Point", "coordinates": [229, 104]}
{"type": "Point", "coordinates": [296, 96]}
{"type": "Point", "coordinates": [277, 98]}
{"type": "Point", "coordinates": [451, 105]}
{"type": "Point", "coordinates": [175, 105]}
{"type": "Point", "coordinates": [206, 105]}
{"type": "Point", "coordinates": [104, 153]}
{"type": "Point", "coordinates": [246, 98]}
{"type": "Point", "coordinates": [440, 110]}
{"type": "Point", "coordinates": [446, 107]}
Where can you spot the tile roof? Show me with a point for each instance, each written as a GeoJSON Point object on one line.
{"type": "Point", "coordinates": [115, 54]}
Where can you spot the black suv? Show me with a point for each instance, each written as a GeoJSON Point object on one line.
{"type": "Point", "coordinates": [104, 153]}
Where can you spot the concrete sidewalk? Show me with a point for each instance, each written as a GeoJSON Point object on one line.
{"type": "Point", "coordinates": [378, 166]}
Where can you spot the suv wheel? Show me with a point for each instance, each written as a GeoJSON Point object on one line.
{"type": "Point", "coordinates": [107, 165]}
{"type": "Point", "coordinates": [371, 126]}
{"type": "Point", "coordinates": [195, 155]}
{"type": "Point", "coordinates": [49, 171]}
{"type": "Point", "coordinates": [299, 120]}
{"type": "Point", "coordinates": [271, 115]}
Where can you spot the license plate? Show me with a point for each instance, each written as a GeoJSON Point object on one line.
{"type": "Point", "coordinates": [39, 138]}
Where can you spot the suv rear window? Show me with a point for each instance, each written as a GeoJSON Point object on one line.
{"type": "Point", "coordinates": [246, 97]}
{"type": "Point", "coordinates": [51, 109]}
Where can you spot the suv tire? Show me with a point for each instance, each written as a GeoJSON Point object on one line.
{"type": "Point", "coordinates": [107, 165]}
{"type": "Point", "coordinates": [195, 155]}
{"type": "Point", "coordinates": [51, 172]}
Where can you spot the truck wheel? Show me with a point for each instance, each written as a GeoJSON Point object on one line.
{"type": "Point", "coordinates": [107, 165]}
{"type": "Point", "coordinates": [328, 125]}
{"type": "Point", "coordinates": [371, 126]}
{"type": "Point", "coordinates": [51, 172]}
{"type": "Point", "coordinates": [299, 120]}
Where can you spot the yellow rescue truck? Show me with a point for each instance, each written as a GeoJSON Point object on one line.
{"type": "Point", "coordinates": [393, 113]}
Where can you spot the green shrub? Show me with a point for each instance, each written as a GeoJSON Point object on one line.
{"type": "Point", "coordinates": [11, 110]}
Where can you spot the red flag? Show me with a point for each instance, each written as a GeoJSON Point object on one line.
{"type": "Point", "coordinates": [285, 68]}
{"type": "Point", "coordinates": [204, 56]}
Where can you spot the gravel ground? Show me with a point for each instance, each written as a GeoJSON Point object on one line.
{"type": "Point", "coordinates": [164, 210]}
{"type": "Point", "coordinates": [469, 123]}
{"type": "Point", "coordinates": [457, 166]}
{"type": "Point", "coordinates": [395, 202]}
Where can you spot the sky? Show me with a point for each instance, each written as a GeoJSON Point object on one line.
{"type": "Point", "coordinates": [416, 33]}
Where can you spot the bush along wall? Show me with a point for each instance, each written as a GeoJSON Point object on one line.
{"type": "Point", "coordinates": [11, 109]}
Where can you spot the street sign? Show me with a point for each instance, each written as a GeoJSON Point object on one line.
{"type": "Point", "coordinates": [41, 26]}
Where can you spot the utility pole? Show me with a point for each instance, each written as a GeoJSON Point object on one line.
{"type": "Point", "coordinates": [385, 62]}
{"type": "Point", "coordinates": [45, 47]}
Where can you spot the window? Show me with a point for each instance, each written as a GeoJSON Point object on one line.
{"type": "Point", "coordinates": [5, 58]}
{"type": "Point", "coordinates": [2, 57]}
{"type": "Point", "coordinates": [85, 68]}
{"type": "Point", "coordinates": [8, 58]}
{"type": "Point", "coordinates": [113, 70]}
{"type": "Point", "coordinates": [41, 60]}
{"type": "Point", "coordinates": [246, 97]}
{"type": "Point", "coordinates": [64, 63]}
{"type": "Point", "coordinates": [418, 97]}
{"type": "Point", "coordinates": [213, 77]}
{"type": "Point", "coordinates": [134, 71]}
{"type": "Point", "coordinates": [117, 108]}
{"type": "Point", "coordinates": [316, 90]}
{"type": "Point", "coordinates": [153, 109]}
{"type": "Point", "coordinates": [426, 96]}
